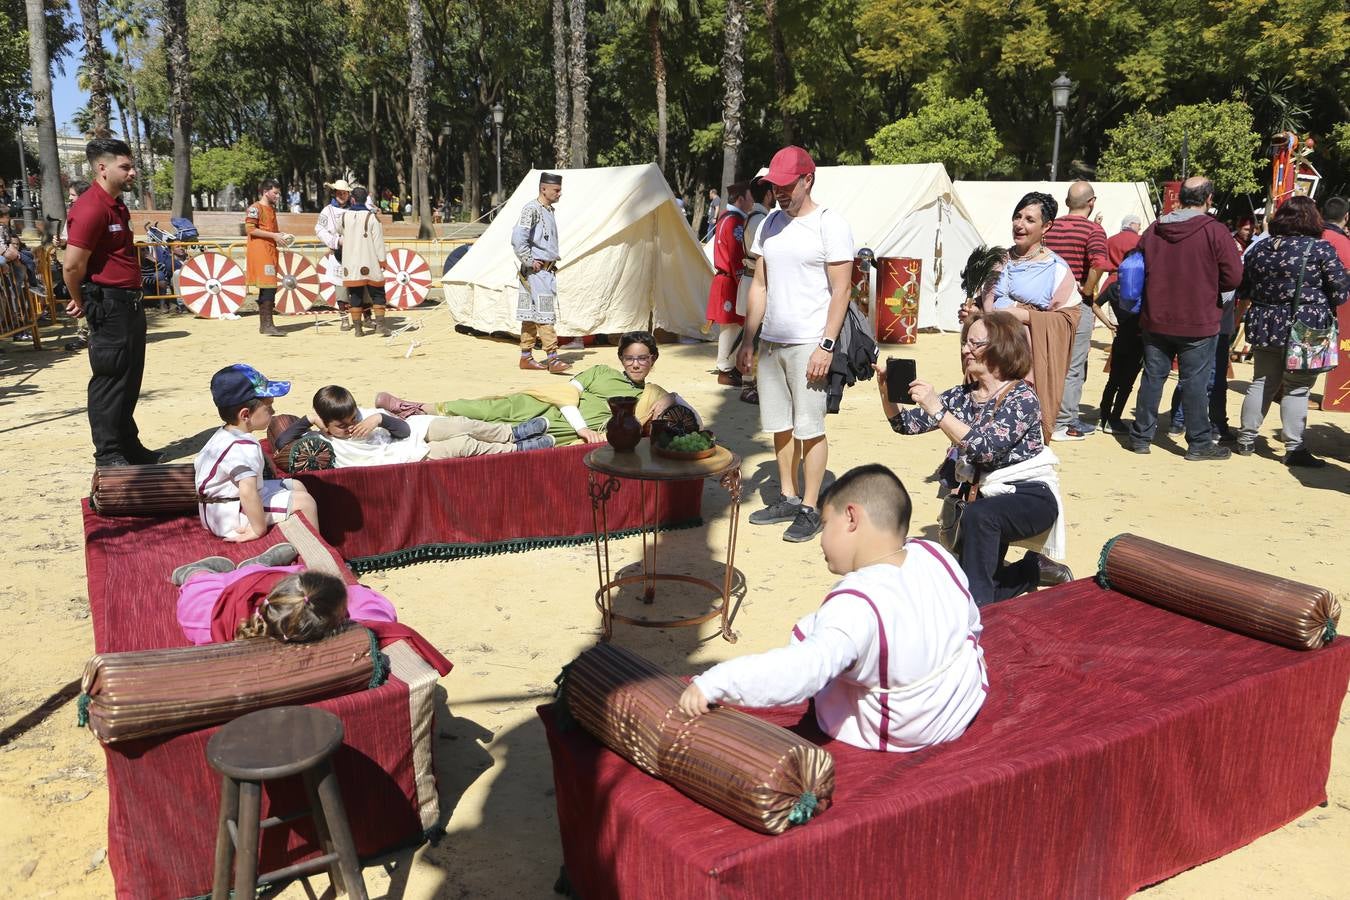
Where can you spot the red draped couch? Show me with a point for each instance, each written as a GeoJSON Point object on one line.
{"type": "Point", "coordinates": [383, 516]}
{"type": "Point", "coordinates": [162, 795]}
{"type": "Point", "coordinates": [1119, 744]}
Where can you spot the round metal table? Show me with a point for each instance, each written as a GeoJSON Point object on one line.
{"type": "Point", "coordinates": [608, 468]}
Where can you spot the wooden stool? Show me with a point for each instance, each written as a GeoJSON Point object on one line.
{"type": "Point", "coordinates": [262, 746]}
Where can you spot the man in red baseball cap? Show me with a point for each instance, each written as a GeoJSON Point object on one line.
{"type": "Point", "coordinates": [809, 250]}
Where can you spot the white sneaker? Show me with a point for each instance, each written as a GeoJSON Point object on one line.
{"type": "Point", "coordinates": [1067, 434]}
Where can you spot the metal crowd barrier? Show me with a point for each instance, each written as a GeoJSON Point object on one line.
{"type": "Point", "coordinates": [19, 307]}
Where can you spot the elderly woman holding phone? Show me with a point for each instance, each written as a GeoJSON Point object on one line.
{"type": "Point", "coordinates": [999, 477]}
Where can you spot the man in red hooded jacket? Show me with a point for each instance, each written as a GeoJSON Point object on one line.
{"type": "Point", "coordinates": [1189, 259]}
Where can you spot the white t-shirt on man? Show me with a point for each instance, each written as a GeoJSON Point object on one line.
{"type": "Point", "coordinates": [892, 657]}
{"type": "Point", "coordinates": [796, 252]}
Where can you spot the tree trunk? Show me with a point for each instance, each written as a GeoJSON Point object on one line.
{"type": "Point", "coordinates": [733, 73]}
{"type": "Point", "coordinates": [53, 198]}
{"type": "Point", "coordinates": [143, 176]}
{"type": "Point", "coordinates": [95, 63]}
{"type": "Point", "coordinates": [659, 70]}
{"type": "Point", "coordinates": [562, 122]}
{"type": "Point", "coordinates": [374, 133]}
{"type": "Point", "coordinates": [580, 80]}
{"type": "Point", "coordinates": [421, 137]}
{"type": "Point", "coordinates": [473, 195]}
{"type": "Point", "coordinates": [318, 126]}
{"type": "Point", "coordinates": [782, 70]}
{"type": "Point", "coordinates": [179, 69]}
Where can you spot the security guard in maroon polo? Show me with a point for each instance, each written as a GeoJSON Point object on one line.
{"type": "Point", "coordinates": [103, 275]}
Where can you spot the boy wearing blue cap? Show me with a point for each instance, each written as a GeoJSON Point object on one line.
{"type": "Point", "coordinates": [237, 503]}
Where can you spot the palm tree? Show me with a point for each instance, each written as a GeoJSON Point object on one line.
{"type": "Point", "coordinates": [657, 13]}
{"type": "Point", "coordinates": [580, 79]}
{"type": "Point", "coordinates": [95, 61]}
{"type": "Point", "coordinates": [562, 127]}
{"type": "Point", "coordinates": [130, 22]}
{"type": "Point", "coordinates": [53, 198]}
{"type": "Point", "coordinates": [733, 71]}
{"type": "Point", "coordinates": [179, 70]}
{"type": "Point", "coordinates": [417, 96]}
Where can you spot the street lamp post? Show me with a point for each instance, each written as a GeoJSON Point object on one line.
{"type": "Point", "coordinates": [1059, 97]}
{"type": "Point", "coordinates": [498, 114]}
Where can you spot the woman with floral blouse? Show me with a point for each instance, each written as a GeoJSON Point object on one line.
{"type": "Point", "coordinates": [998, 464]}
{"type": "Point", "coordinates": [1270, 279]}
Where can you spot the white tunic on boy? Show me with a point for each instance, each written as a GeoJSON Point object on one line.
{"type": "Point", "coordinates": [228, 458]}
{"type": "Point", "coordinates": [892, 657]}
{"type": "Point", "coordinates": [380, 448]}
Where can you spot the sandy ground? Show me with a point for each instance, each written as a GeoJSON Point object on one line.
{"type": "Point", "coordinates": [510, 622]}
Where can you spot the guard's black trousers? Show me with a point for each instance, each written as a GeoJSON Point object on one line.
{"type": "Point", "coordinates": [117, 359]}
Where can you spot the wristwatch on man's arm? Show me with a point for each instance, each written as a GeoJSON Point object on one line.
{"type": "Point", "coordinates": [827, 344]}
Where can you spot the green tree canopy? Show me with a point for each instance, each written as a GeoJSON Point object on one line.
{"type": "Point", "coordinates": [1220, 139]}
{"type": "Point", "coordinates": [244, 165]}
{"type": "Point", "coordinates": [956, 133]}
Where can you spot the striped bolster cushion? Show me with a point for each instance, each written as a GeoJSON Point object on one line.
{"type": "Point", "coordinates": [1248, 602]}
{"type": "Point", "coordinates": [144, 490]}
{"type": "Point", "coordinates": [148, 692]}
{"type": "Point", "coordinates": [754, 773]}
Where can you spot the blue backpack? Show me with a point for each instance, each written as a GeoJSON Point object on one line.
{"type": "Point", "coordinates": [1130, 279]}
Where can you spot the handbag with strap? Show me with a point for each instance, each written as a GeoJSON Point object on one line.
{"type": "Point", "coordinates": [1309, 349]}
{"type": "Point", "coordinates": [954, 501]}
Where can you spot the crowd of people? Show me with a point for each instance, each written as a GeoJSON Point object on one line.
{"type": "Point", "coordinates": [780, 298]}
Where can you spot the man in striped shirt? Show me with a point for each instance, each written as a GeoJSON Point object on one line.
{"type": "Point", "coordinates": [1081, 243]}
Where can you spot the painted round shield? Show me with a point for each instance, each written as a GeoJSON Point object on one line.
{"type": "Point", "coordinates": [297, 283]}
{"type": "Point", "coordinates": [212, 285]}
{"type": "Point", "coordinates": [407, 279]}
{"type": "Point", "coordinates": [330, 279]}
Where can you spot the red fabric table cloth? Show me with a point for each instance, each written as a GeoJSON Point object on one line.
{"type": "Point", "coordinates": [383, 516]}
{"type": "Point", "coordinates": [1120, 744]}
{"type": "Point", "coordinates": [162, 795]}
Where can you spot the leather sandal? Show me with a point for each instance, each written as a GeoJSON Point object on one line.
{"type": "Point", "coordinates": [530, 364]}
{"type": "Point", "coordinates": [556, 366]}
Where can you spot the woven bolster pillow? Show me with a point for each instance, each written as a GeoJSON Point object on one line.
{"type": "Point", "coordinates": [1248, 602]}
{"type": "Point", "coordinates": [754, 773]}
{"type": "Point", "coordinates": [149, 692]}
{"type": "Point", "coordinates": [144, 490]}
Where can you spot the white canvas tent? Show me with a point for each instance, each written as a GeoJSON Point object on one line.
{"type": "Point", "coordinates": [905, 211]}
{"type": "Point", "coordinates": [989, 204]}
{"type": "Point", "coordinates": [629, 258]}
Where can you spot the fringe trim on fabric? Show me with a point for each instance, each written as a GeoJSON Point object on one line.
{"type": "Point", "coordinates": [430, 552]}
{"type": "Point", "coordinates": [379, 672]}
{"type": "Point", "coordinates": [803, 809]}
{"type": "Point", "coordinates": [1101, 578]}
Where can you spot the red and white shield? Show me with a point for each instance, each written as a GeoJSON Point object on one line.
{"type": "Point", "coordinates": [407, 279]}
{"type": "Point", "coordinates": [330, 279]}
{"type": "Point", "coordinates": [212, 285]}
{"type": "Point", "coordinates": [297, 283]}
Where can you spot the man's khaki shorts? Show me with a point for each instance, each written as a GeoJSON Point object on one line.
{"type": "Point", "coordinates": [786, 401]}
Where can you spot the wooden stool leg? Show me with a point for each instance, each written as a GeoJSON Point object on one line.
{"type": "Point", "coordinates": [340, 832]}
{"type": "Point", "coordinates": [229, 810]}
{"type": "Point", "coordinates": [246, 851]}
{"type": "Point", "coordinates": [311, 779]}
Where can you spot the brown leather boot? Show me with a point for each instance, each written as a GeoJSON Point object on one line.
{"type": "Point", "coordinates": [265, 325]}
{"type": "Point", "coordinates": [381, 328]}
